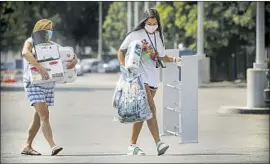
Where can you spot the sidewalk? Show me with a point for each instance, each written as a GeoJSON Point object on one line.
{"type": "Point", "coordinates": [224, 84]}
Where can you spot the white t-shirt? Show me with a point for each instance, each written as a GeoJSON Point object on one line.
{"type": "Point", "coordinates": [147, 69]}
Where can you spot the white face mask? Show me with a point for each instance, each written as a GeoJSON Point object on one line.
{"type": "Point", "coordinates": [150, 28]}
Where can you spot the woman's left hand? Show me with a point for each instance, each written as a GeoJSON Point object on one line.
{"type": "Point", "coordinates": [72, 64]}
{"type": "Point", "coordinates": [178, 59]}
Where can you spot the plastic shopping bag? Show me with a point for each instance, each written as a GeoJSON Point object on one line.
{"type": "Point", "coordinates": [130, 100]}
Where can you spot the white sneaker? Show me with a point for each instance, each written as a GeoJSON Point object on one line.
{"type": "Point", "coordinates": [134, 150]}
{"type": "Point", "coordinates": [162, 148]}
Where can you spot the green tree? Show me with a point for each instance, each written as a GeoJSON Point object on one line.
{"type": "Point", "coordinates": [79, 21]}
{"type": "Point", "coordinates": [229, 28]}
{"type": "Point", "coordinates": [13, 26]}
{"type": "Point", "coordinates": [18, 20]}
{"type": "Point", "coordinates": [224, 23]}
{"type": "Point", "coordinates": [114, 26]}
{"type": "Point", "coordinates": [74, 22]}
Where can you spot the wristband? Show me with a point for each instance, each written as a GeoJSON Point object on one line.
{"type": "Point", "coordinates": [174, 59]}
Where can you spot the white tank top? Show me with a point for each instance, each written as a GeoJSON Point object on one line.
{"type": "Point", "coordinates": [26, 75]}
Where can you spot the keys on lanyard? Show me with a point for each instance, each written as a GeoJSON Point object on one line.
{"type": "Point", "coordinates": [158, 61]}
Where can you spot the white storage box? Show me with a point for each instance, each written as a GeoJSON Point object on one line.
{"type": "Point", "coordinates": [54, 68]}
{"type": "Point", "coordinates": [132, 59]}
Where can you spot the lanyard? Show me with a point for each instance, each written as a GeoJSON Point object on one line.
{"type": "Point", "coordinates": [158, 62]}
{"type": "Point", "coordinates": [154, 47]}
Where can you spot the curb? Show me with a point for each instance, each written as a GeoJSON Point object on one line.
{"type": "Point", "coordinates": [223, 85]}
{"type": "Point", "coordinates": [243, 110]}
{"type": "Point", "coordinates": [16, 88]}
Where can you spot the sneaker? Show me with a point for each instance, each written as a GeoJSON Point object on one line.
{"type": "Point", "coordinates": [135, 150]}
{"type": "Point", "coordinates": [162, 148]}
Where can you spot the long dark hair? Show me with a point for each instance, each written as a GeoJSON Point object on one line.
{"type": "Point", "coordinates": [150, 13]}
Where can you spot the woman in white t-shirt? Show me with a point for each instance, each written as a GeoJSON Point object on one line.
{"type": "Point", "coordinates": [149, 31]}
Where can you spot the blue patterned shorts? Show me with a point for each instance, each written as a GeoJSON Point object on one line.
{"type": "Point", "coordinates": [38, 94]}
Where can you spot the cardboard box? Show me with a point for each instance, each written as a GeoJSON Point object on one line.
{"type": "Point", "coordinates": [54, 68]}
{"type": "Point", "coordinates": [46, 52]}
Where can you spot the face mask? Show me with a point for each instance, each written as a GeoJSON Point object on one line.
{"type": "Point", "coordinates": [50, 32]}
{"type": "Point", "coordinates": [150, 28]}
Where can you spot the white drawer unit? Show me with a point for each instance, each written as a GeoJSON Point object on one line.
{"type": "Point", "coordinates": [179, 115]}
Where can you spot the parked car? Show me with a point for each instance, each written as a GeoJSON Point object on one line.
{"type": "Point", "coordinates": [112, 66]}
{"type": "Point", "coordinates": [100, 67]}
{"type": "Point", "coordinates": [94, 67]}
{"type": "Point", "coordinates": [89, 65]}
{"type": "Point", "coordinates": [186, 52]}
{"type": "Point", "coordinates": [11, 68]}
{"type": "Point", "coordinates": [7, 66]}
{"type": "Point", "coordinates": [78, 68]}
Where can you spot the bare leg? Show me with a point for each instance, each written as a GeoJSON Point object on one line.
{"type": "Point", "coordinates": [43, 112]}
{"type": "Point", "coordinates": [152, 123]}
{"type": "Point", "coordinates": [136, 129]}
{"type": "Point", "coordinates": [32, 131]}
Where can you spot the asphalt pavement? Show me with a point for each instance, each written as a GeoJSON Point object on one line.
{"type": "Point", "coordinates": [82, 122]}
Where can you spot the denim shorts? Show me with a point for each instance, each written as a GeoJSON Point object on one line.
{"type": "Point", "coordinates": [38, 94]}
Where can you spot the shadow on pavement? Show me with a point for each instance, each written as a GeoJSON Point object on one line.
{"type": "Point", "coordinates": [205, 154]}
{"type": "Point", "coordinates": [119, 154]}
{"type": "Point", "coordinates": [98, 155]}
{"type": "Point", "coordinates": [77, 89]}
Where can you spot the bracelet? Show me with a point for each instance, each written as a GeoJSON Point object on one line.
{"type": "Point", "coordinates": [174, 59]}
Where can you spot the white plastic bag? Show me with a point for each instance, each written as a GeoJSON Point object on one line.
{"type": "Point", "coordinates": [130, 100]}
{"type": "Point", "coordinates": [66, 56]}
{"type": "Point", "coordinates": [66, 53]}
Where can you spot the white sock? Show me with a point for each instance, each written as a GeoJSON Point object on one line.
{"type": "Point", "coordinates": [159, 143]}
{"type": "Point", "coordinates": [133, 145]}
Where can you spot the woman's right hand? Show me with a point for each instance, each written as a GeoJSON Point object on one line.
{"type": "Point", "coordinates": [123, 69]}
{"type": "Point", "coordinates": [44, 73]}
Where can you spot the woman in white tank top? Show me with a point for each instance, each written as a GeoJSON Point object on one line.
{"type": "Point", "coordinates": [40, 95]}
